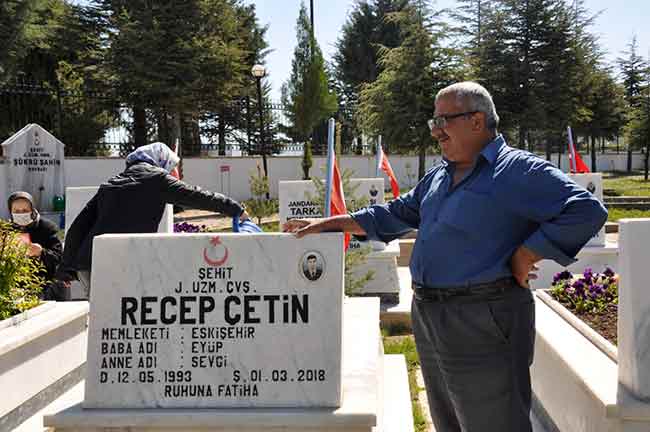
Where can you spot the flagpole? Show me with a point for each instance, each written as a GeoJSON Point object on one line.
{"type": "Point", "coordinates": [572, 149]}
{"type": "Point", "coordinates": [378, 157]}
{"type": "Point", "coordinates": [330, 167]}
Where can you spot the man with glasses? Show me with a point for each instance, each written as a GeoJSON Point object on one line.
{"type": "Point", "coordinates": [485, 215]}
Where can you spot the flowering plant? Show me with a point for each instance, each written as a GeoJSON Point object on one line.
{"type": "Point", "coordinates": [188, 227]}
{"type": "Point", "coordinates": [589, 292]}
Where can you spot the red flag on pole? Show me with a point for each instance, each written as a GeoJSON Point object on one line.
{"type": "Point", "coordinates": [576, 165]}
{"type": "Point", "coordinates": [337, 203]}
{"type": "Point", "coordinates": [581, 167]}
{"type": "Point", "coordinates": [384, 165]}
{"type": "Point", "coordinates": [334, 197]}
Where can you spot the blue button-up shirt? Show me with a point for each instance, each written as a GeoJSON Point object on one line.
{"type": "Point", "coordinates": [468, 233]}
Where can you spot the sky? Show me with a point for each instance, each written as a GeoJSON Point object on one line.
{"type": "Point", "coordinates": [618, 23]}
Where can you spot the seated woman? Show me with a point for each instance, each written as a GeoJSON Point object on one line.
{"type": "Point", "coordinates": [40, 236]}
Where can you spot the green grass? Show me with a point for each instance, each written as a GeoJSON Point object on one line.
{"type": "Point", "coordinates": [406, 345]}
{"type": "Point", "coordinates": [624, 184]}
{"type": "Point", "coordinates": [616, 214]}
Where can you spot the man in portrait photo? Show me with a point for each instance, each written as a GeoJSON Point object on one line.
{"type": "Point", "coordinates": [312, 268]}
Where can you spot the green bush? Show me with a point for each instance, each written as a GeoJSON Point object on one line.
{"type": "Point", "coordinates": [20, 280]}
{"type": "Point", "coordinates": [259, 206]}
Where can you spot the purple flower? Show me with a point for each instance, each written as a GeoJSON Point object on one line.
{"type": "Point", "coordinates": [588, 273]}
{"type": "Point", "coordinates": [596, 290]}
{"type": "Point", "coordinates": [563, 275]}
{"type": "Point", "coordinates": [608, 272]}
{"type": "Point", "coordinates": [579, 287]}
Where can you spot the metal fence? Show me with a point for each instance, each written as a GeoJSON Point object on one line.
{"type": "Point", "coordinates": [92, 123]}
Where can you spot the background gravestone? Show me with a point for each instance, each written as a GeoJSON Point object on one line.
{"type": "Point", "coordinates": [294, 201]}
{"type": "Point", "coordinates": [204, 321]}
{"type": "Point", "coordinates": [593, 182]}
{"type": "Point", "coordinates": [35, 164]}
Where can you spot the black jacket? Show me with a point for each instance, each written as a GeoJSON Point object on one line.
{"type": "Point", "coordinates": [44, 232]}
{"type": "Point", "coordinates": [133, 202]}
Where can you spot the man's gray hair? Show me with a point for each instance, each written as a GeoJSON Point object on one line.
{"type": "Point", "coordinates": [473, 97]}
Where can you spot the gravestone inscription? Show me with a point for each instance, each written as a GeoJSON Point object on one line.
{"type": "Point", "coordinates": [205, 321]}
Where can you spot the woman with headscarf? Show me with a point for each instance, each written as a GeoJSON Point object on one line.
{"type": "Point", "coordinates": [40, 236]}
{"type": "Point", "coordinates": [133, 202]}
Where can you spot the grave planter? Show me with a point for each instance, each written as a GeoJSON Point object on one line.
{"type": "Point", "coordinates": [574, 380]}
{"type": "Point", "coordinates": [42, 352]}
{"type": "Point", "coordinates": [608, 348]}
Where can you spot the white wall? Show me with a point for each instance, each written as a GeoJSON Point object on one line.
{"type": "Point", "coordinates": [206, 173]}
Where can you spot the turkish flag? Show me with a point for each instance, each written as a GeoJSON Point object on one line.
{"type": "Point", "coordinates": [576, 165]}
{"type": "Point", "coordinates": [337, 200]}
{"type": "Point", "coordinates": [384, 165]}
{"type": "Point", "coordinates": [581, 167]}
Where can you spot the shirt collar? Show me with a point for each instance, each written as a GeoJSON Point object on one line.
{"type": "Point", "coordinates": [489, 152]}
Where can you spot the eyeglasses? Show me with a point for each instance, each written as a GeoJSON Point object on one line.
{"type": "Point", "coordinates": [439, 122]}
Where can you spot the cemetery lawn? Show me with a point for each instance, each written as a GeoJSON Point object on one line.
{"type": "Point", "coordinates": [406, 345]}
{"type": "Point", "coordinates": [614, 214]}
{"type": "Point", "coordinates": [624, 184]}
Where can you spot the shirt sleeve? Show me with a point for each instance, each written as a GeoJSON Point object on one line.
{"type": "Point", "coordinates": [386, 222]}
{"type": "Point", "coordinates": [568, 215]}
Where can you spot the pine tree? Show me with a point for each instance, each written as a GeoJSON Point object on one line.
{"type": "Point", "coordinates": [399, 102]}
{"type": "Point", "coordinates": [306, 93]}
{"type": "Point", "coordinates": [366, 30]}
{"type": "Point", "coordinates": [632, 71]}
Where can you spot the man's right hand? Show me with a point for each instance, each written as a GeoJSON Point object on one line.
{"type": "Point", "coordinates": [301, 227]}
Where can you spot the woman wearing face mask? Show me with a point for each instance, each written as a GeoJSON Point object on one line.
{"type": "Point", "coordinates": [40, 236]}
{"type": "Point", "coordinates": [133, 202]}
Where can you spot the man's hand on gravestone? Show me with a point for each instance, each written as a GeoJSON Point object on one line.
{"type": "Point", "coordinates": [340, 223]}
{"type": "Point", "coordinates": [523, 266]}
{"type": "Point", "coordinates": [301, 227]}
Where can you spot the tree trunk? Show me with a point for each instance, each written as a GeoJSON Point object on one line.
{"type": "Point", "coordinates": [593, 154]}
{"type": "Point", "coordinates": [175, 130]}
{"type": "Point", "coordinates": [139, 126]}
{"type": "Point", "coordinates": [163, 127]}
{"type": "Point", "coordinates": [629, 157]}
{"type": "Point", "coordinates": [647, 161]}
{"type": "Point", "coordinates": [422, 161]}
{"type": "Point", "coordinates": [222, 132]}
{"type": "Point", "coordinates": [548, 149]}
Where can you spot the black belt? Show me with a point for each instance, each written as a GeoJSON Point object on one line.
{"type": "Point", "coordinates": [499, 286]}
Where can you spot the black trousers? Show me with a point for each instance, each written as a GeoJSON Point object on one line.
{"type": "Point", "coordinates": [475, 353]}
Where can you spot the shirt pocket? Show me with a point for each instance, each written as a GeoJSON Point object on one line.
{"type": "Point", "coordinates": [473, 213]}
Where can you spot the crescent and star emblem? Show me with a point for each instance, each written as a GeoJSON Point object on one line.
{"type": "Point", "coordinates": [215, 242]}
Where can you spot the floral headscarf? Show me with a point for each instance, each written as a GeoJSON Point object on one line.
{"type": "Point", "coordinates": [157, 154]}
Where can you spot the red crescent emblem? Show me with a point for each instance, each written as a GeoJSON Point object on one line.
{"type": "Point", "coordinates": [215, 263]}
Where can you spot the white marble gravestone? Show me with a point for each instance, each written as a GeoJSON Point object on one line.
{"type": "Point", "coordinates": [634, 310]}
{"type": "Point", "coordinates": [207, 321]}
{"type": "Point", "coordinates": [35, 164]}
{"type": "Point", "coordinates": [593, 182]}
{"type": "Point", "coordinates": [76, 199]}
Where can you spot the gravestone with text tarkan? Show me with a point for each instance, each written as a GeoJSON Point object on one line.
{"type": "Point", "coordinates": [296, 201]}
{"type": "Point", "coordinates": [191, 321]}
{"type": "Point", "coordinates": [36, 163]}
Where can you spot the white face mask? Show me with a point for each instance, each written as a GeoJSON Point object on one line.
{"type": "Point", "coordinates": [22, 219]}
